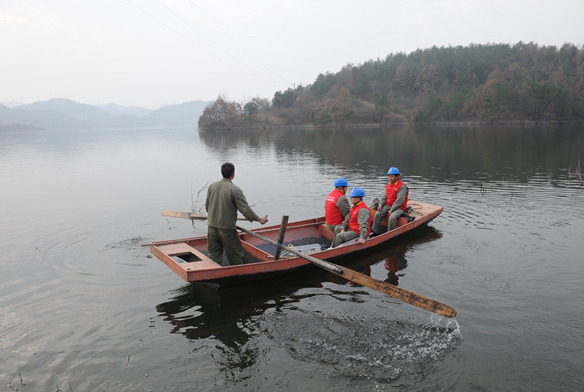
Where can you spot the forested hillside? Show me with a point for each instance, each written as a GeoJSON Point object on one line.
{"type": "Point", "coordinates": [493, 83]}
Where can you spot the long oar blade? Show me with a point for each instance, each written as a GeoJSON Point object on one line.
{"type": "Point", "coordinates": [189, 215]}
{"type": "Point", "coordinates": [177, 214]}
{"type": "Point", "coordinates": [367, 281]}
{"type": "Point", "coordinates": [397, 292]}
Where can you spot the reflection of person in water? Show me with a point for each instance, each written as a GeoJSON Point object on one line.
{"type": "Point", "coordinates": [393, 258]}
{"type": "Point", "coordinates": [394, 263]}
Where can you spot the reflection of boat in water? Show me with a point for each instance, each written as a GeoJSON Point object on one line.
{"type": "Point", "coordinates": [199, 310]}
{"type": "Point", "coordinates": [189, 257]}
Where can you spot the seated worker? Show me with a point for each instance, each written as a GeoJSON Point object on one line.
{"type": "Point", "coordinates": [394, 202]}
{"type": "Point", "coordinates": [358, 220]}
{"type": "Point", "coordinates": [337, 206]}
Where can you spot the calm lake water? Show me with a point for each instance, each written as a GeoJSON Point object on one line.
{"type": "Point", "coordinates": [85, 307]}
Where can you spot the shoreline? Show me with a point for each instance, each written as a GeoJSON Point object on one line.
{"type": "Point", "coordinates": [268, 127]}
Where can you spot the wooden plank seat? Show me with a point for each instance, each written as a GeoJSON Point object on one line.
{"type": "Point", "coordinates": [200, 261]}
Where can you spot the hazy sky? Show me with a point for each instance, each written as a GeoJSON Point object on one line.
{"type": "Point", "coordinates": [152, 53]}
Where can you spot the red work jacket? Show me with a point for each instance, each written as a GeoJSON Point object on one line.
{"type": "Point", "coordinates": [354, 221]}
{"type": "Point", "coordinates": [332, 215]}
{"type": "Point", "coordinates": [391, 190]}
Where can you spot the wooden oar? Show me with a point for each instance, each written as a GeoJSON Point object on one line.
{"type": "Point", "coordinates": [189, 215]}
{"type": "Point", "coordinates": [364, 280]}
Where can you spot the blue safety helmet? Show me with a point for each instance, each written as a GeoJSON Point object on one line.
{"type": "Point", "coordinates": [393, 170]}
{"type": "Point", "coordinates": [357, 192]}
{"type": "Point", "coordinates": [341, 181]}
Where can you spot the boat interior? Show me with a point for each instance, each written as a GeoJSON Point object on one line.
{"type": "Point", "coordinates": [308, 236]}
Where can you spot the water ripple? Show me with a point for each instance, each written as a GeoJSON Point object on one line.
{"type": "Point", "coordinates": [388, 349]}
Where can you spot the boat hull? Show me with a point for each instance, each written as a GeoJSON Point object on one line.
{"type": "Point", "coordinates": [188, 257]}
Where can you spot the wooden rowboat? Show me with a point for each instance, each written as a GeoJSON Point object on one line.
{"type": "Point", "coordinates": [188, 257]}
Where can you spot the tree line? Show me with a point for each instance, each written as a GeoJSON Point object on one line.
{"type": "Point", "coordinates": [491, 83]}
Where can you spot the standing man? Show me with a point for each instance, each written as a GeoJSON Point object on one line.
{"type": "Point", "coordinates": [337, 206]}
{"type": "Point", "coordinates": [224, 199]}
{"type": "Point", "coordinates": [358, 220]}
{"type": "Point", "coordinates": [394, 202]}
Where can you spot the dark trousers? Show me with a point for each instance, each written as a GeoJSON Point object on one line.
{"type": "Point", "coordinates": [379, 215]}
{"type": "Point", "coordinates": [228, 239]}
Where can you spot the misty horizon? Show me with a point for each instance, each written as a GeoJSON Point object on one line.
{"type": "Point", "coordinates": [68, 114]}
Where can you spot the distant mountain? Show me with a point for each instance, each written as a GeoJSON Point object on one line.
{"type": "Point", "coordinates": [9, 125]}
{"type": "Point", "coordinates": [116, 110]}
{"type": "Point", "coordinates": [66, 114]}
{"type": "Point", "coordinates": [11, 104]}
{"type": "Point", "coordinates": [82, 112]}
{"type": "Point", "coordinates": [37, 117]}
{"type": "Point", "coordinates": [184, 113]}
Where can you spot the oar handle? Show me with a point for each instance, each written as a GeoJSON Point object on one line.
{"type": "Point", "coordinates": [320, 263]}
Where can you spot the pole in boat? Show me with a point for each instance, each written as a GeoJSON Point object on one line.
{"type": "Point", "coordinates": [281, 236]}
{"type": "Point", "coordinates": [364, 280]}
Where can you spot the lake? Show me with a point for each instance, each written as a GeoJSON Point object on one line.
{"type": "Point", "coordinates": [85, 307]}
